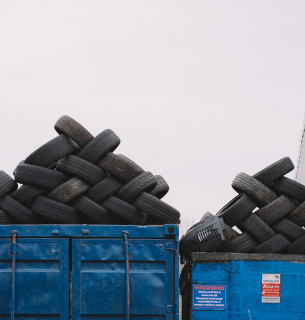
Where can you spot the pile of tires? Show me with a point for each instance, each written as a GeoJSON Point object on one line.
{"type": "Point", "coordinates": [267, 215]}
{"type": "Point", "coordinates": [76, 178]}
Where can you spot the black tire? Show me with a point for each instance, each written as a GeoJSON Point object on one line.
{"type": "Point", "coordinates": [132, 163]}
{"type": "Point", "coordinates": [52, 151]}
{"type": "Point", "coordinates": [104, 189]}
{"type": "Point", "coordinates": [26, 193]}
{"type": "Point", "coordinates": [119, 167]}
{"type": "Point", "coordinates": [7, 184]}
{"type": "Point", "coordinates": [298, 215]}
{"type": "Point", "coordinates": [124, 211]}
{"type": "Point", "coordinates": [275, 171]}
{"type": "Point", "coordinates": [276, 210]}
{"type": "Point", "coordinates": [237, 210]}
{"type": "Point", "coordinates": [94, 211]}
{"type": "Point", "coordinates": [289, 188]}
{"type": "Point", "coordinates": [18, 211]}
{"type": "Point", "coordinates": [277, 244]}
{"type": "Point", "coordinates": [73, 130]}
{"type": "Point", "coordinates": [242, 244]}
{"type": "Point", "coordinates": [143, 182]}
{"type": "Point", "coordinates": [98, 147]}
{"type": "Point", "coordinates": [81, 169]}
{"type": "Point", "coordinates": [5, 218]}
{"type": "Point", "coordinates": [289, 229]}
{"type": "Point", "coordinates": [68, 190]}
{"type": "Point", "coordinates": [161, 189]}
{"type": "Point", "coordinates": [39, 176]}
{"type": "Point", "coordinates": [297, 247]}
{"type": "Point", "coordinates": [206, 215]}
{"type": "Point", "coordinates": [157, 209]}
{"type": "Point", "coordinates": [261, 194]}
{"type": "Point", "coordinates": [55, 211]}
{"type": "Point", "coordinates": [229, 233]}
{"type": "Point", "coordinates": [257, 228]}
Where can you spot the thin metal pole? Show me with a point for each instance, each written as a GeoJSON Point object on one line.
{"type": "Point", "coordinates": [14, 252]}
{"type": "Point", "coordinates": [126, 251]}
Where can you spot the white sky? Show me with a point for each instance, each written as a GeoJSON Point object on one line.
{"type": "Point", "coordinates": [198, 91]}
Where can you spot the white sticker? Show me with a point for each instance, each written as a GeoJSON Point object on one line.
{"type": "Point", "coordinates": [271, 288]}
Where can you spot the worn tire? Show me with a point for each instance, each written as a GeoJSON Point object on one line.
{"type": "Point", "coordinates": [120, 167]}
{"type": "Point", "coordinates": [229, 233]}
{"type": "Point", "coordinates": [289, 229]}
{"type": "Point", "coordinates": [261, 194]}
{"type": "Point", "coordinates": [161, 189]}
{"type": "Point", "coordinates": [38, 176]}
{"type": "Point", "coordinates": [124, 211]}
{"type": "Point", "coordinates": [257, 228]}
{"type": "Point", "coordinates": [298, 215]}
{"type": "Point", "coordinates": [68, 190]}
{"type": "Point", "coordinates": [289, 188]}
{"type": "Point", "coordinates": [52, 151]}
{"type": "Point", "coordinates": [143, 182]}
{"type": "Point", "coordinates": [157, 209]}
{"type": "Point", "coordinates": [276, 210]}
{"type": "Point", "coordinates": [296, 247]}
{"type": "Point", "coordinates": [55, 211]}
{"type": "Point", "coordinates": [26, 193]}
{"type": "Point", "coordinates": [7, 184]}
{"type": "Point", "coordinates": [81, 169]}
{"type": "Point", "coordinates": [242, 244]}
{"type": "Point", "coordinates": [5, 218]}
{"type": "Point", "coordinates": [104, 189]}
{"type": "Point", "coordinates": [275, 171]}
{"type": "Point", "coordinates": [18, 211]}
{"type": "Point", "coordinates": [276, 244]}
{"type": "Point", "coordinates": [73, 130]}
{"type": "Point", "coordinates": [94, 211]}
{"type": "Point", "coordinates": [237, 210]}
{"type": "Point", "coordinates": [98, 147]}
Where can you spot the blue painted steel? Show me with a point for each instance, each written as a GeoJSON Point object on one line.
{"type": "Point", "coordinates": [104, 263]}
{"type": "Point", "coordinates": [42, 279]}
{"type": "Point", "coordinates": [89, 231]}
{"type": "Point", "coordinates": [126, 252]}
{"type": "Point", "coordinates": [14, 252]}
{"type": "Point", "coordinates": [99, 279]}
{"type": "Point", "coordinates": [244, 283]}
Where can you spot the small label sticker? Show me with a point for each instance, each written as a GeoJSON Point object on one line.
{"type": "Point", "coordinates": [209, 297]}
{"type": "Point", "coordinates": [271, 288]}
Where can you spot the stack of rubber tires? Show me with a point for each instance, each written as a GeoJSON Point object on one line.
{"type": "Point", "coordinates": [76, 178]}
{"type": "Point", "coordinates": [267, 216]}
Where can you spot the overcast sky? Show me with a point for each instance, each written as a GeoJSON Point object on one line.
{"type": "Point", "coordinates": [198, 91]}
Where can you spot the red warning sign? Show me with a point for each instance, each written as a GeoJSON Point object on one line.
{"type": "Point", "coordinates": [271, 288]}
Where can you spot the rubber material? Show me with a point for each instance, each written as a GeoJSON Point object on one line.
{"type": "Point", "coordinates": [143, 182]}
{"type": "Point", "coordinates": [17, 211]}
{"type": "Point", "coordinates": [94, 211]}
{"type": "Point", "coordinates": [68, 190]}
{"type": "Point", "coordinates": [161, 189]}
{"type": "Point", "coordinates": [242, 244]}
{"type": "Point", "coordinates": [289, 229]}
{"type": "Point", "coordinates": [98, 147]}
{"type": "Point", "coordinates": [120, 167]}
{"type": "Point", "coordinates": [124, 211]}
{"type": "Point", "coordinates": [276, 244]}
{"type": "Point", "coordinates": [5, 218]}
{"type": "Point", "coordinates": [73, 130]}
{"type": "Point", "coordinates": [7, 184]}
{"type": "Point", "coordinates": [289, 188]}
{"type": "Point", "coordinates": [156, 208]}
{"type": "Point", "coordinates": [261, 194]}
{"type": "Point", "coordinates": [81, 169]}
{"type": "Point", "coordinates": [26, 193]}
{"type": "Point", "coordinates": [104, 189]}
{"type": "Point", "coordinates": [52, 151]}
{"type": "Point", "coordinates": [298, 215]}
{"type": "Point", "coordinates": [276, 210]}
{"type": "Point", "coordinates": [257, 228]}
{"type": "Point", "coordinates": [296, 247]}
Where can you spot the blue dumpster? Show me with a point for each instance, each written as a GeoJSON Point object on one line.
{"type": "Point", "coordinates": [243, 286]}
{"type": "Point", "coordinates": [89, 272]}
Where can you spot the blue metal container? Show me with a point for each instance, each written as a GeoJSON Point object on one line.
{"type": "Point", "coordinates": [89, 272]}
{"type": "Point", "coordinates": [243, 286]}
